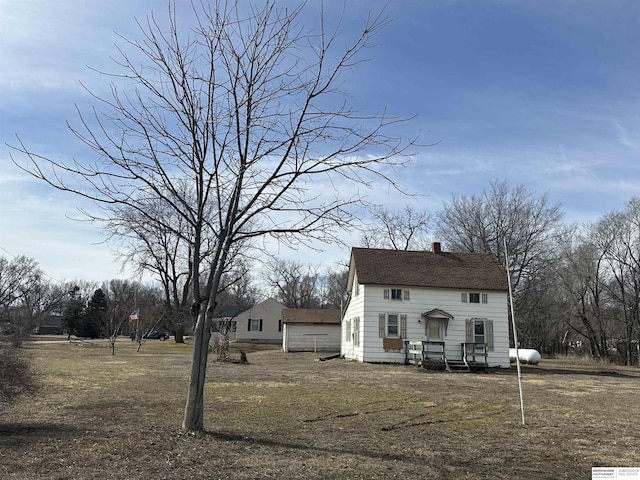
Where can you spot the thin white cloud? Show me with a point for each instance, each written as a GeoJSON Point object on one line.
{"type": "Point", "coordinates": [630, 141]}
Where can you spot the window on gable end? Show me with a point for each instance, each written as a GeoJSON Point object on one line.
{"type": "Point", "coordinates": [255, 324]}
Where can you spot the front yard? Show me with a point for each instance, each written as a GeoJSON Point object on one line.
{"type": "Point", "coordinates": [292, 416]}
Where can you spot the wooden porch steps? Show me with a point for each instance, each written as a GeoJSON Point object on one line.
{"type": "Point", "coordinates": [457, 366]}
{"type": "Point", "coordinates": [431, 355]}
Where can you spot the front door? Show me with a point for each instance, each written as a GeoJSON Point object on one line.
{"type": "Point", "coordinates": [434, 330]}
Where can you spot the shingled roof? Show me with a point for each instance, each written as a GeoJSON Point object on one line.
{"type": "Point", "coordinates": [468, 271]}
{"type": "Point", "coordinates": [311, 315]}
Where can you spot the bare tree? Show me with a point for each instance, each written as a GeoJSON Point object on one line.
{"type": "Point", "coordinates": [581, 271]}
{"type": "Point", "coordinates": [543, 313]}
{"type": "Point", "coordinates": [404, 229]}
{"type": "Point", "coordinates": [237, 293]}
{"type": "Point", "coordinates": [111, 307]}
{"type": "Point", "coordinates": [26, 296]}
{"type": "Point", "coordinates": [294, 283]}
{"type": "Point", "coordinates": [246, 109]}
{"type": "Point", "coordinates": [481, 223]}
{"type": "Point", "coordinates": [153, 248]}
{"type": "Point", "coordinates": [619, 241]}
{"type": "Point", "coordinates": [335, 287]}
{"type": "Point", "coordinates": [149, 313]}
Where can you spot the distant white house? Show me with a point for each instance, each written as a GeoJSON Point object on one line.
{"type": "Point", "coordinates": [441, 307]}
{"type": "Point", "coordinates": [311, 330]}
{"type": "Point", "coordinates": [261, 323]}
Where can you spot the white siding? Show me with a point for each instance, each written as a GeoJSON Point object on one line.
{"type": "Point", "coordinates": [355, 310]}
{"type": "Point", "coordinates": [422, 300]}
{"type": "Point", "coordinates": [299, 337]}
{"type": "Point", "coordinates": [270, 311]}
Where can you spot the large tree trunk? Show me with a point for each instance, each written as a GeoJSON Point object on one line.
{"type": "Point", "coordinates": [194, 409]}
{"type": "Point", "coordinates": [180, 334]}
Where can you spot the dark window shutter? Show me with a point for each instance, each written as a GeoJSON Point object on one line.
{"type": "Point", "coordinates": [381, 321]}
{"type": "Point", "coordinates": [279, 325]}
{"type": "Point", "coordinates": [260, 324]}
{"type": "Point", "coordinates": [488, 325]}
{"type": "Point", "coordinates": [469, 330]}
{"type": "Point", "coordinates": [249, 326]}
{"type": "Point", "coordinates": [403, 325]}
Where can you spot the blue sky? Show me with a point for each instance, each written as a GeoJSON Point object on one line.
{"type": "Point", "coordinates": [545, 94]}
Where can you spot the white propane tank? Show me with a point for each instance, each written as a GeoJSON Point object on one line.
{"type": "Point", "coordinates": [526, 355]}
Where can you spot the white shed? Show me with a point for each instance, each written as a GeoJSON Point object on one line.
{"type": "Point", "coordinates": [311, 330]}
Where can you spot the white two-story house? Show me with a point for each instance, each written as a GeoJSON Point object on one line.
{"type": "Point", "coordinates": [442, 307]}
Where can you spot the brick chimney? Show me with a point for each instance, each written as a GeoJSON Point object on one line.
{"type": "Point", "coordinates": [436, 247]}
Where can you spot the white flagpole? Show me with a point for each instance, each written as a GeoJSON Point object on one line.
{"type": "Point", "coordinates": [515, 333]}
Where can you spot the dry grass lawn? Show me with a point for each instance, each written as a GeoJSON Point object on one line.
{"type": "Point", "coordinates": [292, 416]}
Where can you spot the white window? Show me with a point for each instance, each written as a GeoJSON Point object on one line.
{"type": "Point", "coordinates": [392, 325]}
{"type": "Point", "coordinates": [474, 297]}
{"type": "Point", "coordinates": [478, 331]}
{"type": "Point", "coordinates": [395, 294]}
{"type": "Point", "coordinates": [356, 331]}
{"type": "Point", "coordinates": [255, 324]}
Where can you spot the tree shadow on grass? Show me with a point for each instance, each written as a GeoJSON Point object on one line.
{"type": "Point", "coordinates": [574, 371]}
{"type": "Point", "coordinates": [17, 434]}
{"type": "Point", "coordinates": [342, 449]}
{"type": "Point", "coordinates": [277, 443]}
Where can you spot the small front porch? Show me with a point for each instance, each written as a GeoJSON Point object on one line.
{"type": "Point", "coordinates": [431, 355]}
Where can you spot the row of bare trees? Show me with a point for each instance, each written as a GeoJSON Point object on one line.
{"type": "Point", "coordinates": [27, 296]}
{"type": "Point", "coordinates": [30, 300]}
{"type": "Point", "coordinates": [306, 285]}
{"type": "Point", "coordinates": [599, 279]}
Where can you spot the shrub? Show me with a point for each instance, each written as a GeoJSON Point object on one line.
{"type": "Point", "coordinates": [16, 375]}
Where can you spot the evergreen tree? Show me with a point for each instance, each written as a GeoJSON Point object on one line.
{"type": "Point", "coordinates": [94, 314]}
{"type": "Point", "coordinates": [72, 318]}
